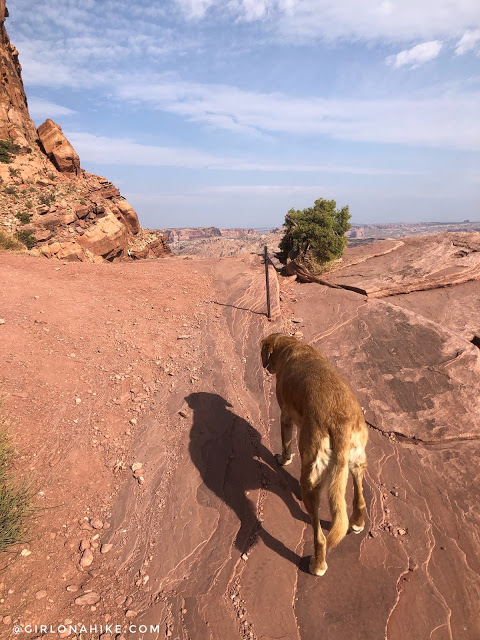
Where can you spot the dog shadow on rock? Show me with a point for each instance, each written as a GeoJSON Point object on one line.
{"type": "Point", "coordinates": [229, 454]}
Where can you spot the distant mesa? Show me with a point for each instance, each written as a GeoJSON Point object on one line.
{"type": "Point", "coordinates": [46, 198]}
{"type": "Point", "coordinates": [185, 234]}
{"type": "Point", "coordinates": [403, 229]}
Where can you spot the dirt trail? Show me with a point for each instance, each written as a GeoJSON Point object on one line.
{"type": "Point", "coordinates": [214, 542]}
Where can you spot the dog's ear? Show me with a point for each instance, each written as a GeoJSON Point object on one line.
{"type": "Point", "coordinates": [267, 350]}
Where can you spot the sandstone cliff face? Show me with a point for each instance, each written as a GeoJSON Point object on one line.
{"type": "Point", "coordinates": [46, 198]}
{"type": "Point", "coordinates": [15, 122]}
{"type": "Point", "coordinates": [238, 233]}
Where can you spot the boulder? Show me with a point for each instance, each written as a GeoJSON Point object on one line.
{"type": "Point", "coordinates": [107, 238]}
{"type": "Point", "coordinates": [82, 210]}
{"type": "Point", "coordinates": [71, 252]}
{"type": "Point", "coordinates": [42, 234]}
{"type": "Point", "coordinates": [66, 217]}
{"type": "Point", "coordinates": [129, 215]}
{"type": "Point", "coordinates": [138, 254]}
{"type": "Point", "coordinates": [58, 148]}
{"type": "Point", "coordinates": [158, 248]}
{"type": "Point", "coordinates": [106, 192]}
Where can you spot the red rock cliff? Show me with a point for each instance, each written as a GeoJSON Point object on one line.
{"type": "Point", "coordinates": [15, 121]}
{"type": "Point", "coordinates": [47, 197]}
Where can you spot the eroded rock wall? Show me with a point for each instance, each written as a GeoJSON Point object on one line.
{"type": "Point", "coordinates": [46, 198]}
{"type": "Point", "coordinates": [15, 121]}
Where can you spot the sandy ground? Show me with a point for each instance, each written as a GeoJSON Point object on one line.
{"type": "Point", "coordinates": [84, 349]}
{"type": "Point", "coordinates": [155, 365]}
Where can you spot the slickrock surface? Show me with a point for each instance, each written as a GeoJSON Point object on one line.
{"type": "Point", "coordinates": [175, 456]}
{"type": "Point", "coordinates": [455, 308]}
{"type": "Point", "coordinates": [417, 264]}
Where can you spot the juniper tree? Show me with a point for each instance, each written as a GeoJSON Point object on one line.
{"type": "Point", "coordinates": [317, 231]}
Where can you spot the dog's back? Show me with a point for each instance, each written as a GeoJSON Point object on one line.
{"type": "Point", "coordinates": [313, 388]}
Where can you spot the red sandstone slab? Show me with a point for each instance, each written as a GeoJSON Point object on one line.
{"type": "Point", "coordinates": [414, 377]}
{"type": "Point", "coordinates": [420, 263]}
{"type": "Point", "coordinates": [455, 308]}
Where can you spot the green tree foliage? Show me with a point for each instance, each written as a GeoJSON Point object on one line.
{"type": "Point", "coordinates": [318, 231]}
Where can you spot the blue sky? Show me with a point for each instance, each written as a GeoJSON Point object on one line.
{"type": "Point", "coordinates": [230, 112]}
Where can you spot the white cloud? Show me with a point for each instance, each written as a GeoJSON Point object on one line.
{"type": "Point", "coordinates": [42, 67]}
{"type": "Point", "coordinates": [40, 108]}
{"type": "Point", "coordinates": [416, 56]}
{"type": "Point", "coordinates": [468, 42]}
{"type": "Point", "coordinates": [108, 151]}
{"type": "Point", "coordinates": [195, 9]}
{"type": "Point", "coordinates": [350, 19]}
{"type": "Point", "coordinates": [259, 189]}
{"type": "Point", "coordinates": [442, 120]}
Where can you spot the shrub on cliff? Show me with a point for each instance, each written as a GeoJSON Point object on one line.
{"type": "Point", "coordinates": [9, 242]}
{"type": "Point", "coordinates": [24, 217]}
{"type": "Point", "coordinates": [27, 238]}
{"type": "Point", "coordinates": [7, 150]}
{"type": "Point", "coordinates": [316, 235]}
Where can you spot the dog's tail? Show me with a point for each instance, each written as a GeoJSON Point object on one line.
{"type": "Point", "coordinates": [338, 485]}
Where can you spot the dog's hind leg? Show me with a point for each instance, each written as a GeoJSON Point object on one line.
{"type": "Point", "coordinates": [285, 457]}
{"type": "Point", "coordinates": [357, 464]}
{"type": "Point", "coordinates": [312, 479]}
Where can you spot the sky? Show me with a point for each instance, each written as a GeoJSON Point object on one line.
{"type": "Point", "coordinates": [231, 112]}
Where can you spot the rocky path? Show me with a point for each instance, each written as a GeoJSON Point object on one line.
{"type": "Point", "coordinates": [209, 538]}
{"type": "Point", "coordinates": [227, 551]}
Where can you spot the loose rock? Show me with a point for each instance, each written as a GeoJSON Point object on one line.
{"type": "Point", "coordinates": [87, 558]}
{"type": "Point", "coordinates": [106, 547]}
{"type": "Point", "coordinates": [88, 599]}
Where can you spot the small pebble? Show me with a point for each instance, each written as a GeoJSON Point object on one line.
{"type": "Point", "coordinates": [84, 544]}
{"type": "Point", "coordinates": [96, 523]}
{"type": "Point", "coordinates": [87, 558]}
{"type": "Point", "coordinates": [88, 599]}
{"type": "Point", "coordinates": [106, 547]}
{"type": "Point", "coordinates": [72, 588]}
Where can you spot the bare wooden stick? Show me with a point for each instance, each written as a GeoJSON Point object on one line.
{"type": "Point", "coordinates": [267, 282]}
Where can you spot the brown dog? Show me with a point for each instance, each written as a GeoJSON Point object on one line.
{"type": "Point", "coordinates": [332, 435]}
